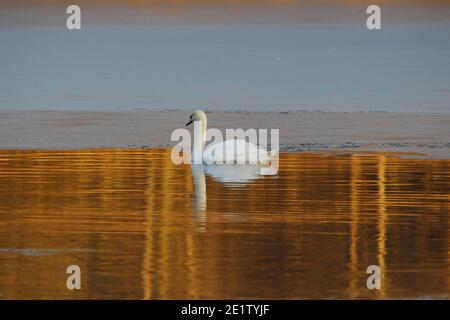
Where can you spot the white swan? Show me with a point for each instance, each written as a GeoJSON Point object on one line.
{"type": "Point", "coordinates": [229, 151]}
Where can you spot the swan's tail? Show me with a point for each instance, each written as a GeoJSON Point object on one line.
{"type": "Point", "coordinates": [273, 153]}
{"type": "Point", "coordinates": [271, 166]}
{"type": "Point", "coordinates": [271, 156]}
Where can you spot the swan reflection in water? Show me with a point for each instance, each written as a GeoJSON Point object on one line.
{"type": "Point", "coordinates": [228, 175]}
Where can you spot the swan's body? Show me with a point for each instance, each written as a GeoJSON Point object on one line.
{"type": "Point", "coordinates": [236, 151]}
{"type": "Point", "coordinates": [233, 151]}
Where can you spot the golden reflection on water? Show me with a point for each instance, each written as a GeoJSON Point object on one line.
{"type": "Point", "coordinates": [131, 220]}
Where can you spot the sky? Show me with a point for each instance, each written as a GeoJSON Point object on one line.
{"type": "Point", "coordinates": [254, 2]}
{"type": "Point", "coordinates": [52, 12]}
{"type": "Point", "coordinates": [209, 3]}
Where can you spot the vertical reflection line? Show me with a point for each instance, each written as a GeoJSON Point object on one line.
{"type": "Point", "coordinates": [148, 252]}
{"type": "Point", "coordinates": [382, 221]}
{"type": "Point", "coordinates": [354, 221]}
{"type": "Point", "coordinates": [166, 171]}
{"type": "Point", "coordinates": [192, 270]}
{"type": "Point", "coordinates": [448, 247]}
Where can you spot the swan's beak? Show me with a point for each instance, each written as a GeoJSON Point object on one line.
{"type": "Point", "coordinates": [190, 121]}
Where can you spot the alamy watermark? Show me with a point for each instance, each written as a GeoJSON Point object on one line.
{"type": "Point", "coordinates": [373, 22]}
{"type": "Point", "coordinates": [73, 22]}
{"type": "Point", "coordinates": [74, 280]}
{"type": "Point", "coordinates": [374, 280]}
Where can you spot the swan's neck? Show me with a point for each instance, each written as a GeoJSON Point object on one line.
{"type": "Point", "coordinates": [199, 141]}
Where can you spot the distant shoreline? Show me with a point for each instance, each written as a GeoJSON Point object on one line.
{"type": "Point", "coordinates": [427, 134]}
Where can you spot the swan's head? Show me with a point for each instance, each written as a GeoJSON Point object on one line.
{"type": "Point", "coordinates": [198, 115]}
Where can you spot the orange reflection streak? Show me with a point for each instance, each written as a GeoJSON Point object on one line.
{"type": "Point", "coordinates": [354, 200]}
{"type": "Point", "coordinates": [147, 268]}
{"type": "Point", "coordinates": [382, 222]}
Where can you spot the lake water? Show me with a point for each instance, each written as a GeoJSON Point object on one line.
{"type": "Point", "coordinates": [259, 67]}
{"type": "Point", "coordinates": [140, 227]}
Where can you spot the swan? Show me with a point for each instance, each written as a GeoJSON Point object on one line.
{"type": "Point", "coordinates": [233, 151]}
